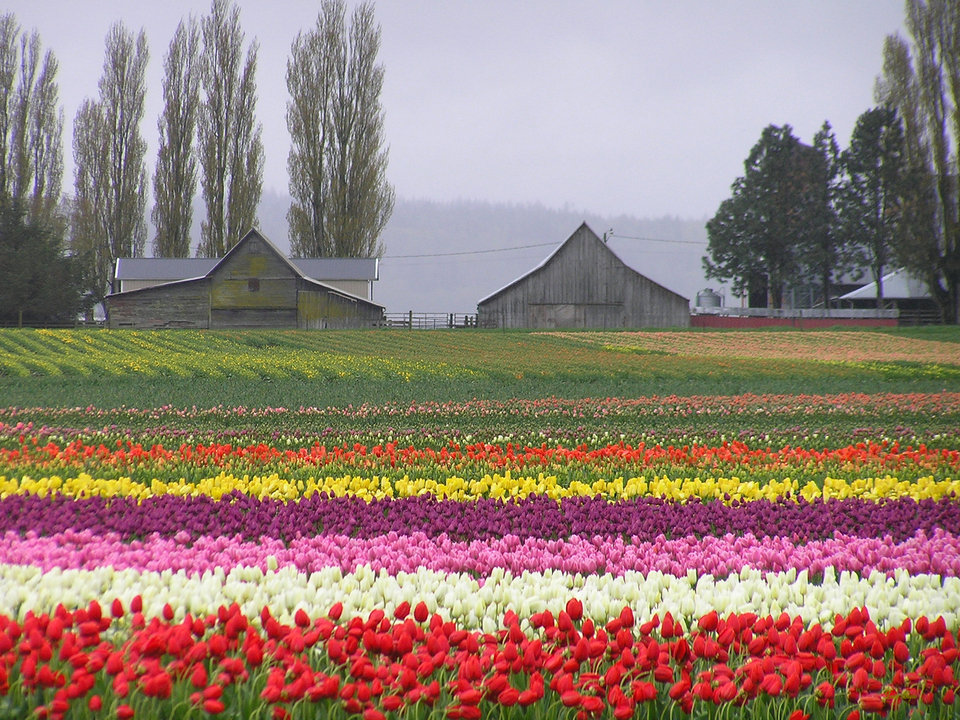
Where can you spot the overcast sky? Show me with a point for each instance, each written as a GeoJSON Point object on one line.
{"type": "Point", "coordinates": [612, 106]}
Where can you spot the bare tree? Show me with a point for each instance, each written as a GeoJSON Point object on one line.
{"type": "Point", "coordinates": [175, 178]}
{"type": "Point", "coordinates": [337, 162]}
{"type": "Point", "coordinates": [111, 176]}
{"type": "Point", "coordinates": [921, 79]}
{"type": "Point", "coordinates": [231, 150]}
{"type": "Point", "coordinates": [31, 123]}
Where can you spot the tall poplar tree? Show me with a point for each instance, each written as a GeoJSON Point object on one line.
{"type": "Point", "coordinates": [31, 123]}
{"type": "Point", "coordinates": [921, 79]}
{"type": "Point", "coordinates": [175, 177]}
{"type": "Point", "coordinates": [337, 162]}
{"type": "Point", "coordinates": [111, 178]}
{"type": "Point", "coordinates": [231, 148]}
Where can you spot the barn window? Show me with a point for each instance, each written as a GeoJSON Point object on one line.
{"type": "Point", "coordinates": [253, 284]}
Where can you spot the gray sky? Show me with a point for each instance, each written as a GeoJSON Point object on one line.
{"type": "Point", "coordinates": [622, 106]}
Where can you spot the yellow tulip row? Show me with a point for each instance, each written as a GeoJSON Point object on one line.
{"type": "Point", "coordinates": [505, 486]}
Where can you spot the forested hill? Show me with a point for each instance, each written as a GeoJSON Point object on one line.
{"type": "Point", "coordinates": [443, 257]}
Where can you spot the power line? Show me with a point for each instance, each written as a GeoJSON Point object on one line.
{"type": "Point", "coordinates": [469, 252]}
{"type": "Point", "coordinates": [535, 245]}
{"type": "Point", "coordinates": [651, 239]}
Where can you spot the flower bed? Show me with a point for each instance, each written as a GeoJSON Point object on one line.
{"type": "Point", "coordinates": [151, 566]}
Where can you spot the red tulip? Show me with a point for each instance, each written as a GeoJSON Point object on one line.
{"type": "Point", "coordinates": [574, 609]}
{"type": "Point", "coordinates": [213, 707]}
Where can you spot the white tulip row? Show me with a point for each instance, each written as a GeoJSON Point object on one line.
{"type": "Point", "coordinates": [481, 604]}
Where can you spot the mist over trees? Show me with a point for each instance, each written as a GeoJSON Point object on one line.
{"type": "Point", "coordinates": [800, 215]}
{"type": "Point", "coordinates": [341, 199]}
{"type": "Point", "coordinates": [175, 178]}
{"type": "Point", "coordinates": [231, 149]}
{"type": "Point", "coordinates": [110, 185]}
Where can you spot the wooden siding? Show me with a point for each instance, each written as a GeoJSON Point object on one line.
{"type": "Point", "coordinates": [584, 285]}
{"type": "Point", "coordinates": [360, 288]}
{"type": "Point", "coordinates": [253, 286]}
{"type": "Point", "coordinates": [319, 310]}
{"type": "Point", "coordinates": [177, 305]}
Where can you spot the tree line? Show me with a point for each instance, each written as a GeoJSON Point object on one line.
{"type": "Point", "coordinates": [208, 136]}
{"type": "Point", "coordinates": [809, 214]}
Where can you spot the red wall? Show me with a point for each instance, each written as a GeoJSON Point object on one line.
{"type": "Point", "coordinates": [723, 321]}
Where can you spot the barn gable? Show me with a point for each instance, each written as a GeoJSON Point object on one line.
{"type": "Point", "coordinates": [253, 285]}
{"type": "Point", "coordinates": [583, 283]}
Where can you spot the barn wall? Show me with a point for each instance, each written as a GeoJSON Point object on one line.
{"type": "Point", "coordinates": [650, 305]}
{"type": "Point", "coordinates": [126, 285]}
{"type": "Point", "coordinates": [584, 285]}
{"type": "Point", "coordinates": [253, 278]}
{"type": "Point", "coordinates": [360, 288]}
{"type": "Point", "coordinates": [181, 305]}
{"type": "Point", "coordinates": [251, 287]}
{"type": "Point", "coordinates": [318, 310]}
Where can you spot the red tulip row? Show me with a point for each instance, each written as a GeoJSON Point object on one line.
{"type": "Point", "coordinates": [128, 454]}
{"type": "Point", "coordinates": [92, 663]}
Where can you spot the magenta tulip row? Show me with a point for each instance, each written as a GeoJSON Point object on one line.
{"type": "Point", "coordinates": [935, 553]}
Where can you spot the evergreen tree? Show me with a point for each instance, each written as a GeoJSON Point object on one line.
{"type": "Point", "coordinates": [758, 235]}
{"type": "Point", "coordinates": [870, 199]}
{"type": "Point", "coordinates": [39, 284]}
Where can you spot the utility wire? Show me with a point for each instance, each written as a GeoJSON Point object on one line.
{"type": "Point", "coordinates": [469, 252]}
{"type": "Point", "coordinates": [663, 240]}
{"type": "Point", "coordinates": [536, 245]}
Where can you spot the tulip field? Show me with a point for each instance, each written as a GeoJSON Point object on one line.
{"type": "Point", "coordinates": [480, 524]}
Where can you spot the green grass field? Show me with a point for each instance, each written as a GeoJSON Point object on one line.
{"type": "Point", "coordinates": [108, 369]}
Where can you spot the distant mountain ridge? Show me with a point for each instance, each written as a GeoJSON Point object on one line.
{"type": "Point", "coordinates": [443, 257]}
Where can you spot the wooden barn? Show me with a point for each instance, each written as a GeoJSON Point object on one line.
{"type": "Point", "coordinates": [583, 284]}
{"type": "Point", "coordinates": [253, 286]}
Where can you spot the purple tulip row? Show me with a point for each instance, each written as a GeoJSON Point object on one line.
{"type": "Point", "coordinates": [534, 517]}
{"type": "Point", "coordinates": [937, 554]}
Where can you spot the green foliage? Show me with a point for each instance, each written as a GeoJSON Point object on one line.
{"type": "Point", "coordinates": [870, 200]}
{"type": "Point", "coordinates": [756, 237]}
{"type": "Point", "coordinates": [38, 284]}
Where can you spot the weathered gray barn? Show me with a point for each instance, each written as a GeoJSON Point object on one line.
{"type": "Point", "coordinates": [583, 284]}
{"type": "Point", "coordinates": [253, 286]}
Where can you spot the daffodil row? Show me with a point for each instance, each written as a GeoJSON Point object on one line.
{"type": "Point", "coordinates": [495, 485]}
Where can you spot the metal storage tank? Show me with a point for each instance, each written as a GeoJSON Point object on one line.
{"type": "Point", "coordinates": [707, 298]}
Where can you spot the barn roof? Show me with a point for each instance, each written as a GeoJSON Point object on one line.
{"type": "Point", "coordinates": [186, 268]}
{"type": "Point", "coordinates": [546, 261]}
{"type": "Point", "coordinates": [896, 284]}
{"type": "Point", "coordinates": [210, 265]}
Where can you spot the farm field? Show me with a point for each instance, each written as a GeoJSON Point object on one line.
{"type": "Point", "coordinates": [465, 524]}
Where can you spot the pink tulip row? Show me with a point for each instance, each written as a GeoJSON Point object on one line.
{"type": "Point", "coordinates": [938, 553]}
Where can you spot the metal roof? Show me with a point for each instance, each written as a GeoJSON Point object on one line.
{"type": "Point", "coordinates": [163, 268]}
{"type": "Point", "coordinates": [896, 284]}
{"type": "Point", "coordinates": [167, 269]}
